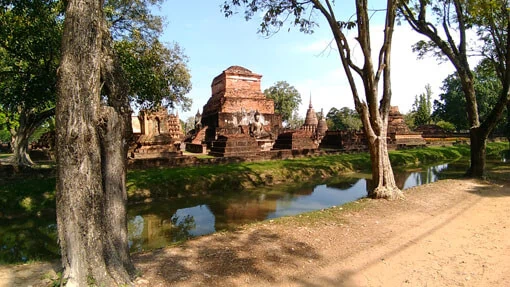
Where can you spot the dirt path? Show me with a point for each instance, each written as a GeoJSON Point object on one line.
{"type": "Point", "coordinates": [449, 233]}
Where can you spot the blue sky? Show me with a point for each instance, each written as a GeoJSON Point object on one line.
{"type": "Point", "coordinates": [213, 43]}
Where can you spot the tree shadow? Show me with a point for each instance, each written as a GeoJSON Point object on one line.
{"type": "Point", "coordinates": [219, 258]}
{"type": "Point", "coordinates": [497, 188]}
{"type": "Point", "coordinates": [345, 277]}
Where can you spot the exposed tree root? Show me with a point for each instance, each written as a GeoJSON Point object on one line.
{"type": "Point", "coordinates": [385, 192]}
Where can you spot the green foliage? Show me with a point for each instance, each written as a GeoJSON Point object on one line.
{"type": "Point", "coordinates": [133, 16]}
{"type": "Point", "coordinates": [286, 99]}
{"type": "Point", "coordinates": [409, 120]}
{"type": "Point", "coordinates": [451, 106]}
{"type": "Point", "coordinates": [157, 75]}
{"type": "Point", "coordinates": [296, 121]}
{"type": "Point", "coordinates": [490, 19]}
{"type": "Point", "coordinates": [30, 36]}
{"type": "Point", "coordinates": [422, 107]}
{"type": "Point", "coordinates": [275, 13]}
{"type": "Point", "coordinates": [5, 135]}
{"type": "Point", "coordinates": [343, 119]}
{"type": "Point", "coordinates": [428, 155]}
{"type": "Point", "coordinates": [28, 196]}
{"type": "Point", "coordinates": [447, 126]}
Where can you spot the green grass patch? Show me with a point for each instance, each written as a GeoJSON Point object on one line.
{"type": "Point", "coordinates": [27, 196]}
{"type": "Point", "coordinates": [165, 182]}
{"type": "Point", "coordinates": [427, 155]}
{"type": "Point", "coordinates": [5, 155]}
{"type": "Point", "coordinates": [498, 149]}
{"type": "Point", "coordinates": [31, 195]}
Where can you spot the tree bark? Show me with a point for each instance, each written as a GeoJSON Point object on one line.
{"type": "Point", "coordinates": [373, 115]}
{"type": "Point", "coordinates": [383, 179]}
{"type": "Point", "coordinates": [28, 123]}
{"type": "Point", "coordinates": [508, 122]}
{"type": "Point", "coordinates": [458, 56]}
{"type": "Point", "coordinates": [19, 145]}
{"type": "Point", "coordinates": [116, 135]}
{"type": "Point", "coordinates": [478, 151]}
{"type": "Point", "coordinates": [91, 155]}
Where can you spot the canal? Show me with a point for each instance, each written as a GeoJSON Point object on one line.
{"type": "Point", "coordinates": [163, 222]}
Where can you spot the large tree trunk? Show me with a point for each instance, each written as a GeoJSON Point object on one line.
{"type": "Point", "coordinates": [28, 122]}
{"type": "Point", "coordinates": [373, 115]}
{"type": "Point", "coordinates": [383, 179]}
{"type": "Point", "coordinates": [19, 145]}
{"type": "Point", "coordinates": [508, 122]}
{"type": "Point", "coordinates": [478, 145]}
{"type": "Point", "coordinates": [91, 151]}
{"type": "Point", "coordinates": [116, 135]}
{"type": "Point", "coordinates": [479, 132]}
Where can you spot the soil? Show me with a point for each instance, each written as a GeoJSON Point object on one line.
{"type": "Point", "coordinates": [448, 233]}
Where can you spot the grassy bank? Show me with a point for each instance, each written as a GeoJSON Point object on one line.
{"type": "Point", "coordinates": [165, 182]}
{"type": "Point", "coordinates": [33, 195]}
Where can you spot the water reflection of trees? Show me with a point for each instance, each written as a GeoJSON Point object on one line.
{"type": "Point", "coordinates": [169, 221]}
{"type": "Point", "coordinates": [342, 183]}
{"type": "Point", "coordinates": [33, 239]}
{"type": "Point", "coordinates": [151, 231]}
{"type": "Point", "coordinates": [406, 179]}
{"type": "Point", "coordinates": [181, 227]}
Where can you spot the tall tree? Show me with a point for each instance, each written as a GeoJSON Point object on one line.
{"type": "Point", "coordinates": [157, 74]}
{"type": "Point", "coordinates": [296, 121]}
{"type": "Point", "coordinates": [343, 119]}
{"type": "Point", "coordinates": [5, 136]}
{"type": "Point", "coordinates": [448, 38]}
{"type": "Point", "coordinates": [422, 107]}
{"type": "Point", "coordinates": [286, 99]}
{"type": "Point", "coordinates": [93, 120]}
{"type": "Point", "coordinates": [375, 108]}
{"type": "Point", "coordinates": [30, 33]}
{"type": "Point", "coordinates": [451, 104]}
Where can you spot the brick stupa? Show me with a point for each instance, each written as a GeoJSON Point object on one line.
{"type": "Point", "coordinates": [236, 97]}
{"type": "Point", "coordinates": [399, 134]}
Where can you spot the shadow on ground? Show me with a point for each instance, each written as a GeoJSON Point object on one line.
{"type": "Point", "coordinates": [218, 258]}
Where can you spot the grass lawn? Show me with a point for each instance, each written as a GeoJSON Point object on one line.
{"type": "Point", "coordinates": [33, 194]}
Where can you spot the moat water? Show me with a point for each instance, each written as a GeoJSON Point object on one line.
{"type": "Point", "coordinates": [163, 222]}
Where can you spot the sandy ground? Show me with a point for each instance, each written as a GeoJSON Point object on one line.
{"type": "Point", "coordinates": [449, 233]}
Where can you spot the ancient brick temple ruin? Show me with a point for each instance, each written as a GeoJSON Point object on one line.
{"type": "Point", "coordinates": [238, 119]}
{"type": "Point", "coordinates": [308, 136]}
{"type": "Point", "coordinates": [156, 134]}
{"type": "Point", "coordinates": [399, 134]}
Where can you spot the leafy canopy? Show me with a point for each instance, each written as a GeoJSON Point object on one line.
{"type": "Point", "coordinates": [343, 119]}
{"type": "Point", "coordinates": [275, 14]}
{"type": "Point", "coordinates": [451, 104]}
{"type": "Point", "coordinates": [30, 36]}
{"type": "Point", "coordinates": [157, 74]}
{"type": "Point", "coordinates": [422, 107]}
{"type": "Point", "coordinates": [286, 99]}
